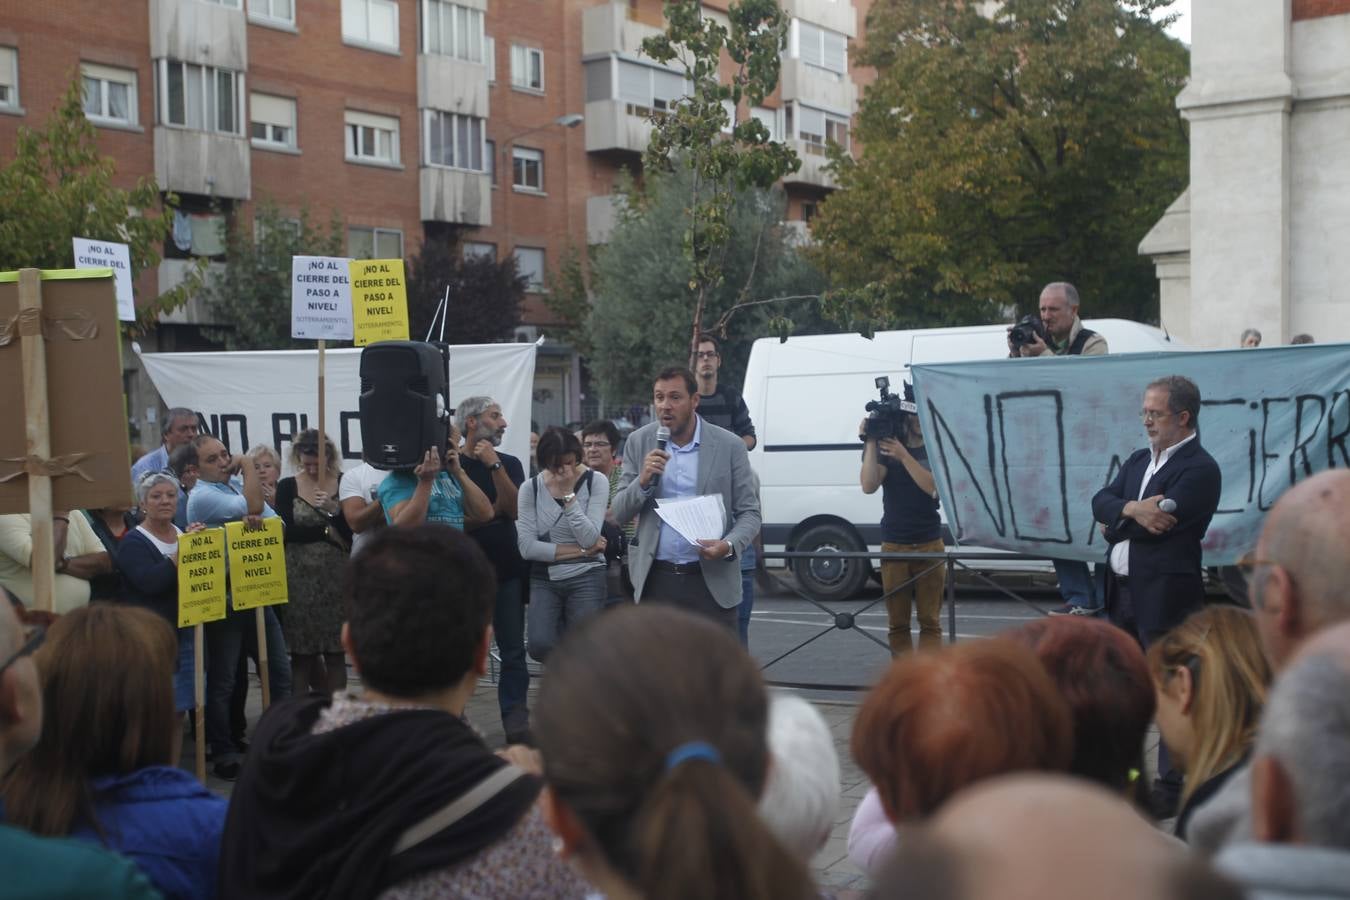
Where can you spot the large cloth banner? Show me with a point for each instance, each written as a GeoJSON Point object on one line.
{"type": "Point", "coordinates": [1019, 447]}
{"type": "Point", "coordinates": [268, 396]}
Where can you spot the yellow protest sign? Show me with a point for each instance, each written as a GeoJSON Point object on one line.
{"type": "Point", "coordinates": [379, 301]}
{"type": "Point", "coordinates": [201, 577]}
{"type": "Point", "coordinates": [257, 564]}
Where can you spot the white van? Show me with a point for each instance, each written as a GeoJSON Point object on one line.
{"type": "Point", "coordinates": [806, 398]}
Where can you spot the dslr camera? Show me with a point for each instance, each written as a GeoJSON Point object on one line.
{"type": "Point", "coordinates": [886, 416]}
{"type": "Point", "coordinates": [1026, 331]}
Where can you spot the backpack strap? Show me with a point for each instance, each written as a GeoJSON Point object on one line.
{"type": "Point", "coordinates": [458, 808]}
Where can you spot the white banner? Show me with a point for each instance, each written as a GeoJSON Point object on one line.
{"type": "Point", "coordinates": [268, 396]}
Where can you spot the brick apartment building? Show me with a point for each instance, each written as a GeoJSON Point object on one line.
{"type": "Point", "coordinates": [499, 124]}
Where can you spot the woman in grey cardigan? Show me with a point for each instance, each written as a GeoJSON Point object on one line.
{"type": "Point", "coordinates": [559, 518]}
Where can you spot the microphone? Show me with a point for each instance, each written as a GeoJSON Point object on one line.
{"type": "Point", "coordinates": [1167, 505]}
{"type": "Point", "coordinates": [662, 438]}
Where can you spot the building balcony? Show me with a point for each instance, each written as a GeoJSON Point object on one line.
{"type": "Point", "coordinates": [818, 87]}
{"type": "Point", "coordinates": [172, 273]}
{"type": "Point", "coordinates": [206, 34]}
{"type": "Point", "coordinates": [456, 196]}
{"type": "Point", "coordinates": [812, 171]}
{"type": "Point", "coordinates": [607, 29]}
{"type": "Point", "coordinates": [835, 15]}
{"type": "Point", "coordinates": [453, 85]}
{"type": "Point", "coordinates": [615, 125]}
{"type": "Point", "coordinates": [202, 162]}
{"type": "Point", "coordinates": [602, 215]}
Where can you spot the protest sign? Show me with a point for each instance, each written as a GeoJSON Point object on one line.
{"type": "Point", "coordinates": [265, 396]}
{"type": "Point", "coordinates": [110, 255]}
{"type": "Point", "coordinates": [321, 298]}
{"type": "Point", "coordinates": [257, 564]}
{"type": "Point", "coordinates": [201, 577]}
{"type": "Point", "coordinates": [1019, 447]}
{"type": "Point", "coordinates": [379, 301]}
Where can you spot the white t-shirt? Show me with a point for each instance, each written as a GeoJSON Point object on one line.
{"type": "Point", "coordinates": [362, 481]}
{"type": "Point", "coordinates": [169, 550]}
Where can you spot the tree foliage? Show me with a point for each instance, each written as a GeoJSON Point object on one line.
{"type": "Point", "coordinates": [1007, 146]}
{"type": "Point", "coordinates": [252, 292]}
{"type": "Point", "coordinates": [639, 288]}
{"type": "Point", "coordinates": [485, 295]}
{"type": "Point", "coordinates": [691, 135]}
{"type": "Point", "coordinates": [58, 187]}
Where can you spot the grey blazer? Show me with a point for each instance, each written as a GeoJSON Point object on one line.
{"type": "Point", "coordinates": [723, 468]}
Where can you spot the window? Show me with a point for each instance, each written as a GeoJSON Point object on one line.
{"type": "Point", "coordinates": [449, 29]}
{"type": "Point", "coordinates": [371, 138]}
{"type": "Point", "coordinates": [599, 77]}
{"type": "Point", "coordinates": [821, 47]}
{"type": "Point", "coordinates": [374, 243]}
{"type": "Point", "coordinates": [530, 265]}
{"type": "Point", "coordinates": [490, 157]}
{"type": "Point", "coordinates": [809, 209]}
{"type": "Point", "coordinates": [373, 22]}
{"type": "Point", "coordinates": [769, 117]}
{"type": "Point", "coordinates": [200, 97]}
{"type": "Point", "coordinates": [109, 95]}
{"type": "Point", "coordinates": [273, 121]}
{"type": "Point", "coordinates": [527, 67]}
{"type": "Point", "coordinates": [479, 249]}
{"type": "Point", "coordinates": [817, 128]}
{"type": "Point", "coordinates": [490, 59]}
{"type": "Point", "coordinates": [273, 10]}
{"type": "Point", "coordinates": [9, 78]}
{"type": "Point", "coordinates": [232, 4]}
{"type": "Point", "coordinates": [453, 140]}
{"type": "Point", "coordinates": [527, 169]}
{"type": "Point", "coordinates": [648, 90]}
{"type": "Point", "coordinates": [290, 229]}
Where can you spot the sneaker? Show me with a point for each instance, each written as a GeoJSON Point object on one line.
{"type": "Point", "coordinates": [1069, 609]}
{"type": "Point", "coordinates": [226, 771]}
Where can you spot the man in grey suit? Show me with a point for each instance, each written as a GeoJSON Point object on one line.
{"type": "Point", "coordinates": [700, 459]}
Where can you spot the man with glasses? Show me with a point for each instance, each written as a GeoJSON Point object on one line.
{"type": "Point", "coordinates": [599, 444]}
{"type": "Point", "coordinates": [1154, 576]}
{"type": "Point", "coordinates": [722, 405]}
{"type": "Point", "coordinates": [33, 866]}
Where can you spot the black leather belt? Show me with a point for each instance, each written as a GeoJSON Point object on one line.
{"type": "Point", "coordinates": [670, 568]}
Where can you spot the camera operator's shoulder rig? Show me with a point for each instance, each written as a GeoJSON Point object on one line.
{"type": "Point", "coordinates": [886, 416]}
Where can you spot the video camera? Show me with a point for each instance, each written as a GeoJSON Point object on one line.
{"type": "Point", "coordinates": [1026, 331]}
{"type": "Point", "coordinates": [886, 417]}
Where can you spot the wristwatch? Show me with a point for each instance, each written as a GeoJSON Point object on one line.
{"type": "Point", "coordinates": [495, 466]}
{"type": "Point", "coordinates": [568, 498]}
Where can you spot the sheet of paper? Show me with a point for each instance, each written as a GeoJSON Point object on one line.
{"type": "Point", "coordinates": [694, 518]}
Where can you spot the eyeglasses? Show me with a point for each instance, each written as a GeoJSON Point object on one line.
{"type": "Point", "coordinates": [33, 639]}
{"type": "Point", "coordinates": [594, 445]}
{"type": "Point", "coordinates": [1149, 415]}
{"type": "Point", "coordinates": [706, 354]}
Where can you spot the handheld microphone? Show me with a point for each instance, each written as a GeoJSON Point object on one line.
{"type": "Point", "coordinates": [1167, 505]}
{"type": "Point", "coordinates": [662, 438]}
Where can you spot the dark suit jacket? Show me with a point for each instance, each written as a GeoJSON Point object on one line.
{"type": "Point", "coordinates": [1166, 581]}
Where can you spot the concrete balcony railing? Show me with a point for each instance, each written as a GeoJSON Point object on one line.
{"type": "Point", "coordinates": [818, 87]}
{"type": "Point", "coordinates": [206, 34]}
{"type": "Point", "coordinates": [450, 84]}
{"type": "Point", "coordinates": [607, 29]}
{"type": "Point", "coordinates": [836, 15]}
{"type": "Point", "coordinates": [812, 170]}
{"type": "Point", "coordinates": [456, 196]}
{"type": "Point", "coordinates": [616, 125]}
{"type": "Point", "coordinates": [202, 162]}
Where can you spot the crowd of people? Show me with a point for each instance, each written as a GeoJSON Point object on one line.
{"type": "Point", "coordinates": [655, 763]}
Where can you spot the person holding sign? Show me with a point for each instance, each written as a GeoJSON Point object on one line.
{"type": "Point", "coordinates": [435, 491]}
{"type": "Point", "coordinates": [316, 550]}
{"type": "Point", "coordinates": [221, 496]}
{"type": "Point", "coordinates": [148, 557]}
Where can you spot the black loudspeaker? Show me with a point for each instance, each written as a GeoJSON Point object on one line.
{"type": "Point", "coordinates": [403, 402]}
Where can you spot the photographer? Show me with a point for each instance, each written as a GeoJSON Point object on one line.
{"type": "Point", "coordinates": [1060, 332]}
{"type": "Point", "coordinates": [894, 459]}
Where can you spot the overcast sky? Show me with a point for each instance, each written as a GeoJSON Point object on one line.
{"type": "Point", "coordinates": [1181, 28]}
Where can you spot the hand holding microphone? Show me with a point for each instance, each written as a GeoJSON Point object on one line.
{"type": "Point", "coordinates": [655, 461]}
{"type": "Point", "coordinates": [1167, 505]}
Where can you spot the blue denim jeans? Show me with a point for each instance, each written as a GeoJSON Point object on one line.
{"type": "Point", "coordinates": [557, 605]}
{"type": "Point", "coordinates": [508, 628]}
{"type": "Point", "coordinates": [747, 593]}
{"type": "Point", "coordinates": [224, 639]}
{"type": "Point", "coordinates": [1078, 585]}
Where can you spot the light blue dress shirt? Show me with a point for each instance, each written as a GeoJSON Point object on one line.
{"type": "Point", "coordinates": [680, 480]}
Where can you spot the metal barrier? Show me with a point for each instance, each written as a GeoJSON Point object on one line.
{"type": "Point", "coordinates": [847, 621]}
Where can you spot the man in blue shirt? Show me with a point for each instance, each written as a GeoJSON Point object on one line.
{"type": "Point", "coordinates": [180, 427]}
{"type": "Point", "coordinates": [220, 497]}
{"type": "Point", "coordinates": [435, 491]}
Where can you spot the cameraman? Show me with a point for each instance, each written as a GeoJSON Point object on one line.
{"type": "Point", "coordinates": [1082, 594]}
{"type": "Point", "coordinates": [909, 523]}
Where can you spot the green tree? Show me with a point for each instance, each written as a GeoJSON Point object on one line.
{"type": "Point", "coordinates": [1009, 147]}
{"type": "Point", "coordinates": [484, 300]}
{"type": "Point", "coordinates": [691, 134]}
{"type": "Point", "coordinates": [252, 294]}
{"type": "Point", "coordinates": [58, 187]}
{"type": "Point", "coordinates": [639, 289]}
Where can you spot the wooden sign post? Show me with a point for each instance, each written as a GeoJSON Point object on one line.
{"type": "Point", "coordinates": [257, 579]}
{"type": "Point", "coordinates": [37, 436]}
{"type": "Point", "coordinates": [201, 599]}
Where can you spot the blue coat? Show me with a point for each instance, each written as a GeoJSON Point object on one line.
{"type": "Point", "coordinates": [167, 822]}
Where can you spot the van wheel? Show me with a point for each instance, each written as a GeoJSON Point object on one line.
{"type": "Point", "coordinates": [825, 578]}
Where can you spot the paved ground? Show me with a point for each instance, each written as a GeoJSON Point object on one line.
{"type": "Point", "coordinates": [822, 655]}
